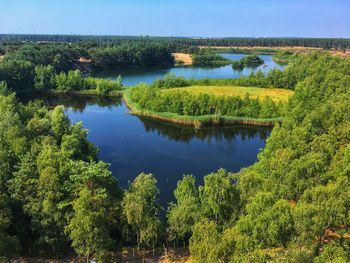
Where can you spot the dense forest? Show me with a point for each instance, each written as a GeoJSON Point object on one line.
{"type": "Point", "coordinates": [291, 206]}
{"type": "Point", "coordinates": [338, 43]}
{"type": "Point", "coordinates": [131, 54]}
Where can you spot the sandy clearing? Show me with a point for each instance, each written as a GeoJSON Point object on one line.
{"type": "Point", "coordinates": [84, 60]}
{"type": "Point", "coordinates": [342, 54]}
{"type": "Point", "coordinates": [185, 58]}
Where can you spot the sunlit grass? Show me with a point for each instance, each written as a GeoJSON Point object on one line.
{"type": "Point", "coordinates": [274, 94]}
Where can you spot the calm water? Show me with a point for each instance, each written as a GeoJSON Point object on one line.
{"type": "Point", "coordinates": [134, 76]}
{"type": "Point", "coordinates": [133, 145]}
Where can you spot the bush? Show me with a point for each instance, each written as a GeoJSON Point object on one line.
{"type": "Point", "coordinates": [170, 81]}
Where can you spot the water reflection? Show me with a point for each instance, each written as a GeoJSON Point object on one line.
{"type": "Point", "coordinates": [76, 102]}
{"type": "Point", "coordinates": [180, 133]}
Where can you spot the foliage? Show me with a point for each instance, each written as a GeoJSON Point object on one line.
{"type": "Point", "coordinates": [203, 243]}
{"type": "Point", "coordinates": [50, 181]}
{"type": "Point", "coordinates": [4, 90]}
{"type": "Point", "coordinates": [220, 198]}
{"type": "Point", "coordinates": [208, 57]}
{"type": "Point", "coordinates": [186, 212]}
{"type": "Point", "coordinates": [141, 209]}
{"type": "Point", "coordinates": [170, 81]}
{"type": "Point", "coordinates": [131, 54]}
{"type": "Point", "coordinates": [251, 60]}
{"type": "Point", "coordinates": [44, 77]}
{"type": "Point", "coordinates": [283, 56]}
{"type": "Point", "coordinates": [18, 74]}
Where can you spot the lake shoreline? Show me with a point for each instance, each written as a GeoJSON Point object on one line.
{"type": "Point", "coordinates": [72, 92]}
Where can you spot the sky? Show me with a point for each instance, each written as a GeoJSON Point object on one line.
{"type": "Point", "coordinates": [189, 18]}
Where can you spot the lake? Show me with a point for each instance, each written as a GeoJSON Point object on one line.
{"type": "Point", "coordinates": [133, 76]}
{"type": "Point", "coordinates": [133, 145]}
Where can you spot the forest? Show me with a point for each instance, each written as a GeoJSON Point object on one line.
{"type": "Point", "coordinates": [290, 206]}
{"type": "Point", "coordinates": [327, 43]}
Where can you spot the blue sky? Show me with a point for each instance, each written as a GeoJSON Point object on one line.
{"type": "Point", "coordinates": [210, 18]}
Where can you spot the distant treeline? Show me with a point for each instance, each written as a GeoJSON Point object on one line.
{"type": "Point", "coordinates": [131, 54]}
{"type": "Point", "coordinates": [339, 43]}
{"type": "Point", "coordinates": [64, 56]}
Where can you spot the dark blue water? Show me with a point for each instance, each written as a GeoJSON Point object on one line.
{"type": "Point", "coordinates": [133, 76]}
{"type": "Point", "coordinates": [133, 145]}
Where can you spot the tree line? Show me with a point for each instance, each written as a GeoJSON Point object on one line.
{"type": "Point", "coordinates": [327, 43]}
{"type": "Point", "coordinates": [19, 76]}
{"type": "Point", "coordinates": [65, 56]}
{"type": "Point", "coordinates": [131, 54]}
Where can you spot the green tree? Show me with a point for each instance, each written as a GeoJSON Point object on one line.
{"type": "Point", "coordinates": [95, 209]}
{"type": "Point", "coordinates": [18, 74]}
{"type": "Point", "coordinates": [59, 122]}
{"type": "Point", "coordinates": [333, 253]}
{"type": "Point", "coordinates": [4, 90]}
{"type": "Point", "coordinates": [220, 197]}
{"type": "Point", "coordinates": [9, 243]}
{"type": "Point", "coordinates": [44, 77]}
{"type": "Point", "coordinates": [186, 211]}
{"type": "Point", "coordinates": [88, 228]}
{"type": "Point", "coordinates": [141, 209]}
{"type": "Point", "coordinates": [204, 242]}
{"type": "Point", "coordinates": [268, 222]}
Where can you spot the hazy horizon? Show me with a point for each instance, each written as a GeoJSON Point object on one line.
{"type": "Point", "coordinates": [205, 19]}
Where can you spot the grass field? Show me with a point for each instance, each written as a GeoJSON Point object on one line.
{"type": "Point", "coordinates": [275, 94]}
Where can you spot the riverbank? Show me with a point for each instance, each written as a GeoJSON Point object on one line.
{"type": "Point", "coordinates": [118, 93]}
{"type": "Point", "coordinates": [281, 60]}
{"type": "Point", "coordinates": [196, 121]}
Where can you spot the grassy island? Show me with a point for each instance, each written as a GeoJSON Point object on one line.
{"type": "Point", "coordinates": [213, 105]}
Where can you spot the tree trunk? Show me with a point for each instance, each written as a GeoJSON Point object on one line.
{"type": "Point", "coordinates": [138, 242]}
